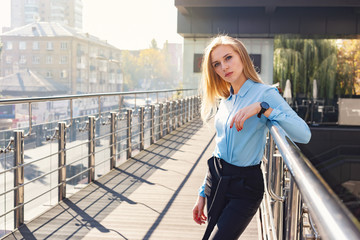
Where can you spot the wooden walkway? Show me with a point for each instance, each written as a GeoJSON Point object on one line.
{"type": "Point", "coordinates": [149, 197]}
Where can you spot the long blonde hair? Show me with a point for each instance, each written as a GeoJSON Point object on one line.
{"type": "Point", "coordinates": [215, 88]}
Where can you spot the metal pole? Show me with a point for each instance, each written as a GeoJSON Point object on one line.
{"type": "Point", "coordinates": [152, 124]}
{"type": "Point", "coordinates": [173, 107]}
{"type": "Point", "coordinates": [167, 117]}
{"type": "Point", "coordinates": [142, 125]}
{"type": "Point", "coordinates": [113, 140]}
{"type": "Point", "coordinates": [62, 161]}
{"type": "Point", "coordinates": [18, 178]}
{"type": "Point", "coordinates": [178, 112]}
{"type": "Point", "coordinates": [191, 108]}
{"type": "Point", "coordinates": [188, 109]}
{"type": "Point", "coordinates": [91, 161]}
{"type": "Point", "coordinates": [292, 217]}
{"type": "Point", "coordinates": [197, 100]}
{"type": "Point", "coordinates": [183, 111]}
{"type": "Point", "coordinates": [128, 135]}
{"type": "Point", "coordinates": [278, 206]}
{"type": "Point", "coordinates": [161, 118]}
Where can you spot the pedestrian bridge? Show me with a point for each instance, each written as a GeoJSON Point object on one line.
{"type": "Point", "coordinates": [130, 169]}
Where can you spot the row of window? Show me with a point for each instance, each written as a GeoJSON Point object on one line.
{"type": "Point", "coordinates": [36, 59]}
{"type": "Point", "coordinates": [23, 45]}
{"type": "Point", "coordinates": [35, 45]}
{"type": "Point", "coordinates": [49, 74]}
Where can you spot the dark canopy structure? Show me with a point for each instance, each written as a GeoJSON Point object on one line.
{"type": "Point", "coordinates": [266, 18]}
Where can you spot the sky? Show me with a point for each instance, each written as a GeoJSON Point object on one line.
{"type": "Point", "coordinates": [126, 24]}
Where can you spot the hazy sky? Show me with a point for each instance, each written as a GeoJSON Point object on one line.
{"type": "Point", "coordinates": [127, 24]}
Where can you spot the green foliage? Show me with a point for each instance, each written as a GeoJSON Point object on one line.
{"type": "Point", "coordinates": [148, 69]}
{"type": "Point", "coordinates": [302, 61]}
{"type": "Point", "coordinates": [348, 68]}
{"type": "Point", "coordinates": [153, 44]}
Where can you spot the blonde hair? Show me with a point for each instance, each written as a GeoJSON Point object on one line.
{"type": "Point", "coordinates": [212, 86]}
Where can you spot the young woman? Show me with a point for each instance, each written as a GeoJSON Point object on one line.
{"type": "Point", "coordinates": [234, 187]}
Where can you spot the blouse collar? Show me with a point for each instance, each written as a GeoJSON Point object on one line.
{"type": "Point", "coordinates": [243, 90]}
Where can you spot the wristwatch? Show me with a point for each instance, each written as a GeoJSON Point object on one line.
{"type": "Point", "coordinates": [264, 106]}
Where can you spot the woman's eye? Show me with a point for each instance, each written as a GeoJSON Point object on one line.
{"type": "Point", "coordinates": [216, 65]}
{"type": "Point", "coordinates": [228, 57]}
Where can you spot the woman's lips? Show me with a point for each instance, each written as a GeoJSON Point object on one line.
{"type": "Point", "coordinates": [228, 74]}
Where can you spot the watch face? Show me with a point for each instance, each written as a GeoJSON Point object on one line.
{"type": "Point", "coordinates": [264, 105]}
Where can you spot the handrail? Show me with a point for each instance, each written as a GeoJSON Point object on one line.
{"type": "Point", "coordinates": [69, 97]}
{"type": "Point", "coordinates": [332, 218]}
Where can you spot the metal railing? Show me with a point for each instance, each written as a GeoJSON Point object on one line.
{"type": "Point", "coordinates": [54, 159]}
{"type": "Point", "coordinates": [298, 203]}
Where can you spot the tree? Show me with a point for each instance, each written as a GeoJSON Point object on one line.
{"type": "Point", "coordinates": [129, 68]}
{"type": "Point", "coordinates": [149, 68]}
{"type": "Point", "coordinates": [302, 61]}
{"type": "Point", "coordinates": [348, 68]}
{"type": "Point", "coordinates": [153, 68]}
{"type": "Point", "coordinates": [153, 44]}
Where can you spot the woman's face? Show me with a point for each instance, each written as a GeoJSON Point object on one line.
{"type": "Point", "coordinates": [227, 64]}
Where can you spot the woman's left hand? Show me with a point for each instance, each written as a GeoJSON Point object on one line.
{"type": "Point", "coordinates": [243, 114]}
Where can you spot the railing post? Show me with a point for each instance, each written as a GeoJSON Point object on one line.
{"type": "Point", "coordinates": [91, 159]}
{"type": "Point", "coordinates": [173, 107]}
{"type": "Point", "coordinates": [142, 124]}
{"type": "Point", "coordinates": [161, 124]}
{"type": "Point", "coordinates": [191, 108]}
{"type": "Point", "coordinates": [167, 117]}
{"type": "Point", "coordinates": [183, 111]}
{"type": "Point", "coordinates": [18, 178]}
{"type": "Point", "coordinates": [178, 112]}
{"type": "Point", "coordinates": [128, 135]}
{"type": "Point", "coordinates": [292, 212]}
{"type": "Point", "coordinates": [152, 124]}
{"type": "Point", "coordinates": [113, 140]}
{"type": "Point", "coordinates": [278, 206]}
{"type": "Point", "coordinates": [197, 100]}
{"type": "Point", "coordinates": [62, 161]}
{"type": "Point", "coordinates": [188, 109]}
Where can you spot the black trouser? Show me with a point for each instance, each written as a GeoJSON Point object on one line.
{"type": "Point", "coordinates": [233, 196]}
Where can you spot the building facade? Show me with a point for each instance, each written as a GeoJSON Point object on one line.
{"type": "Point", "coordinates": [81, 62]}
{"type": "Point", "coordinates": [67, 12]}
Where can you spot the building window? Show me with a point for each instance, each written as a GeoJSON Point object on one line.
{"type": "Point", "coordinates": [93, 76]}
{"type": "Point", "coordinates": [22, 59]}
{"type": "Point", "coordinates": [48, 59]}
{"type": "Point", "coordinates": [78, 76]}
{"type": "Point", "coordinates": [35, 45]}
{"type": "Point", "coordinates": [63, 45]}
{"type": "Point", "coordinates": [9, 45]}
{"type": "Point", "coordinates": [63, 74]}
{"type": "Point", "coordinates": [49, 74]}
{"type": "Point", "coordinates": [49, 46]}
{"type": "Point", "coordinates": [8, 59]}
{"type": "Point", "coordinates": [22, 45]}
{"type": "Point", "coordinates": [63, 60]}
{"type": "Point", "coordinates": [36, 60]}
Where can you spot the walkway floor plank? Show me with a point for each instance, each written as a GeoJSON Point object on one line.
{"type": "Point", "coordinates": [148, 197]}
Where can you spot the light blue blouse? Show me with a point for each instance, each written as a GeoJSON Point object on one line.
{"type": "Point", "coordinates": [246, 147]}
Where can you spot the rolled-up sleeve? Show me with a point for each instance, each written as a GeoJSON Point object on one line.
{"type": "Point", "coordinates": [202, 188]}
{"type": "Point", "coordinates": [286, 117]}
